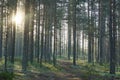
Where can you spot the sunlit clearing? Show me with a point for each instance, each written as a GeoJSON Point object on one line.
{"type": "Point", "coordinates": [18, 18]}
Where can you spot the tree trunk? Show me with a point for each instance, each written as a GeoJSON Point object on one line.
{"type": "Point", "coordinates": [1, 29]}
{"type": "Point", "coordinates": [69, 30]}
{"type": "Point", "coordinates": [26, 36]}
{"type": "Point", "coordinates": [31, 46]}
{"type": "Point", "coordinates": [55, 35]}
{"type": "Point", "coordinates": [112, 36]}
{"type": "Point", "coordinates": [74, 32]}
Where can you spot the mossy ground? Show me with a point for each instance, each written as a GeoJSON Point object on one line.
{"type": "Point", "coordinates": [64, 70]}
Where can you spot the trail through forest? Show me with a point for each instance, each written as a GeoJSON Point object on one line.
{"type": "Point", "coordinates": [67, 72]}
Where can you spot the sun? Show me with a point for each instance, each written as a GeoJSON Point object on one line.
{"type": "Point", "coordinates": [18, 18]}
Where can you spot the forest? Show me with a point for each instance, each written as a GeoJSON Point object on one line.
{"type": "Point", "coordinates": [59, 39]}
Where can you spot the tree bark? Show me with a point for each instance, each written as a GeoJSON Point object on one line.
{"type": "Point", "coordinates": [74, 32]}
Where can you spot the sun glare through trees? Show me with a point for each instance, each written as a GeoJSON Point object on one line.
{"type": "Point", "coordinates": [18, 18]}
{"type": "Point", "coordinates": [59, 39]}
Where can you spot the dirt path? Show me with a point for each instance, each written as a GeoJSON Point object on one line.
{"type": "Point", "coordinates": [73, 72]}
{"type": "Point", "coordinates": [67, 72]}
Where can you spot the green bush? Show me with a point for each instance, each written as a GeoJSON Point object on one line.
{"type": "Point", "coordinates": [6, 76]}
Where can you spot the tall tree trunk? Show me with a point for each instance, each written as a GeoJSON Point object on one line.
{"type": "Point", "coordinates": [38, 34]}
{"type": "Point", "coordinates": [55, 34]}
{"type": "Point", "coordinates": [32, 7]}
{"type": "Point", "coordinates": [26, 36]}
{"type": "Point", "coordinates": [89, 35]}
{"type": "Point", "coordinates": [112, 36]}
{"type": "Point", "coordinates": [74, 31]}
{"type": "Point", "coordinates": [6, 40]}
{"type": "Point", "coordinates": [13, 33]}
{"type": "Point", "coordinates": [102, 31]}
{"type": "Point", "coordinates": [42, 35]}
{"type": "Point", "coordinates": [1, 29]}
{"type": "Point", "coordinates": [69, 30]}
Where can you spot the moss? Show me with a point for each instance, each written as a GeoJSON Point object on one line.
{"type": "Point", "coordinates": [6, 76]}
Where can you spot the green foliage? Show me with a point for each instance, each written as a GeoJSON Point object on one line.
{"type": "Point", "coordinates": [105, 67]}
{"type": "Point", "coordinates": [45, 67]}
{"type": "Point", "coordinates": [91, 69]}
{"type": "Point", "coordinates": [91, 72]}
{"type": "Point", "coordinates": [50, 67]}
{"type": "Point", "coordinates": [6, 76]}
{"type": "Point", "coordinates": [109, 76]}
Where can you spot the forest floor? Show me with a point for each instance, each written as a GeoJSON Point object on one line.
{"type": "Point", "coordinates": [64, 71]}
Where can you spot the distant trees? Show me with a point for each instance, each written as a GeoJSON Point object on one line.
{"type": "Point", "coordinates": [9, 10]}
{"type": "Point", "coordinates": [103, 31]}
{"type": "Point", "coordinates": [31, 31]}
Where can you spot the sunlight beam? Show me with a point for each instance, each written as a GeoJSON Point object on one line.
{"type": "Point", "coordinates": [18, 18]}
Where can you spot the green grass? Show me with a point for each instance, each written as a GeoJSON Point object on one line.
{"type": "Point", "coordinates": [7, 75]}
{"type": "Point", "coordinates": [86, 70]}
